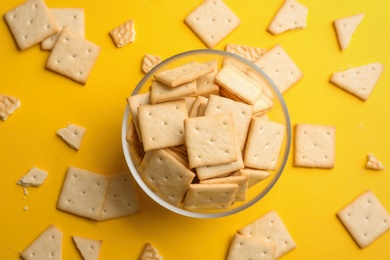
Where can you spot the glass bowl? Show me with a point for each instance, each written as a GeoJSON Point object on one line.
{"type": "Point", "coordinates": [278, 113]}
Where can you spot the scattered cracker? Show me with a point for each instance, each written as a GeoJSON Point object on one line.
{"type": "Point", "coordinates": [248, 52]}
{"type": "Point", "coordinates": [73, 135]}
{"type": "Point", "coordinates": [149, 62]}
{"type": "Point", "coordinates": [35, 177]}
{"type": "Point", "coordinates": [212, 21]}
{"type": "Point", "coordinates": [8, 105]}
{"type": "Point", "coordinates": [291, 16]}
{"type": "Point", "coordinates": [150, 253]}
{"type": "Point", "coordinates": [359, 81]}
{"type": "Point", "coordinates": [123, 34]}
{"type": "Point", "coordinates": [73, 56]}
{"type": "Point", "coordinates": [30, 23]}
{"type": "Point", "coordinates": [314, 146]}
{"type": "Point", "coordinates": [243, 247]}
{"type": "Point", "coordinates": [365, 219]}
{"type": "Point", "coordinates": [48, 245]}
{"type": "Point", "coordinates": [373, 163]}
{"type": "Point", "coordinates": [270, 228]}
{"type": "Point", "coordinates": [88, 248]}
{"type": "Point", "coordinates": [345, 28]}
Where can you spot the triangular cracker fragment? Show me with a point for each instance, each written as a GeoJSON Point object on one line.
{"type": "Point", "coordinates": [8, 104]}
{"type": "Point", "coordinates": [73, 56]}
{"type": "Point", "coordinates": [73, 135]}
{"type": "Point", "coordinates": [89, 248]}
{"type": "Point", "coordinates": [365, 218]}
{"type": "Point", "coordinates": [279, 66]}
{"type": "Point", "coordinates": [149, 62]}
{"type": "Point", "coordinates": [123, 34]}
{"type": "Point", "coordinates": [314, 146]}
{"type": "Point", "coordinates": [345, 28]}
{"type": "Point", "coordinates": [48, 245]}
{"type": "Point", "coordinates": [243, 247]}
{"type": "Point", "coordinates": [212, 21]}
{"type": "Point", "coordinates": [35, 177]}
{"type": "Point", "coordinates": [210, 196]}
{"type": "Point", "coordinates": [30, 23]}
{"type": "Point", "coordinates": [359, 81]}
{"type": "Point", "coordinates": [270, 228]}
{"type": "Point", "coordinates": [150, 253]}
{"type": "Point", "coordinates": [291, 16]}
{"type": "Point", "coordinates": [373, 163]}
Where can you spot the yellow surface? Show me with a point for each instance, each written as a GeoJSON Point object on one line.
{"type": "Point", "coordinates": [306, 199]}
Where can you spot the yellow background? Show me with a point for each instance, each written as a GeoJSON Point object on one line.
{"type": "Point", "coordinates": [306, 199]}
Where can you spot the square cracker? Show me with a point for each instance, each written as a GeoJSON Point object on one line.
{"type": "Point", "coordinates": [30, 23]}
{"type": "Point", "coordinates": [162, 124]}
{"type": "Point", "coordinates": [314, 146]}
{"type": "Point", "coordinates": [73, 56]}
{"type": "Point", "coordinates": [8, 105]}
{"type": "Point", "coordinates": [210, 140]}
{"type": "Point", "coordinates": [270, 228]}
{"type": "Point", "coordinates": [212, 21]}
{"type": "Point", "coordinates": [83, 193]}
{"type": "Point", "coordinates": [241, 181]}
{"type": "Point", "coordinates": [243, 247]}
{"type": "Point", "coordinates": [365, 218]}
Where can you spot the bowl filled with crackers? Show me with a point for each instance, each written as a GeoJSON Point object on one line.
{"type": "Point", "coordinates": [206, 133]}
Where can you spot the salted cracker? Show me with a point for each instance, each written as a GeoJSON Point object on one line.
{"type": "Point", "coordinates": [167, 177]}
{"type": "Point", "coordinates": [73, 135]}
{"type": "Point", "coordinates": [35, 177]}
{"type": "Point", "coordinates": [30, 23]}
{"type": "Point", "coordinates": [373, 163]}
{"type": "Point", "coordinates": [314, 146]}
{"type": "Point", "coordinates": [290, 16]}
{"type": "Point", "coordinates": [346, 27]}
{"type": "Point", "coordinates": [206, 84]}
{"type": "Point", "coordinates": [241, 181]}
{"type": "Point", "coordinates": [254, 176]}
{"type": "Point", "coordinates": [70, 18]}
{"type": "Point", "coordinates": [243, 247]}
{"type": "Point", "coordinates": [248, 52]}
{"type": "Point", "coordinates": [48, 245]}
{"type": "Point", "coordinates": [209, 196]}
{"type": "Point", "coordinates": [134, 101]}
{"type": "Point", "coordinates": [210, 140]}
{"type": "Point", "coordinates": [83, 193]}
{"type": "Point", "coordinates": [123, 34]}
{"type": "Point", "coordinates": [264, 143]}
{"type": "Point", "coordinates": [270, 228]}
{"type": "Point", "coordinates": [88, 248]}
{"type": "Point", "coordinates": [279, 66]}
{"type": "Point", "coordinates": [8, 105]}
{"type": "Point", "coordinates": [122, 198]}
{"type": "Point", "coordinates": [365, 218]}
{"type": "Point", "coordinates": [162, 124]}
{"type": "Point", "coordinates": [160, 92]}
{"type": "Point", "coordinates": [212, 21]}
{"type": "Point", "coordinates": [150, 253]}
{"type": "Point", "coordinates": [73, 56]}
{"type": "Point", "coordinates": [359, 81]}
{"type": "Point", "coordinates": [149, 61]}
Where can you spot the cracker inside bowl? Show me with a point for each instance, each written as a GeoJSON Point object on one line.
{"type": "Point", "coordinates": [201, 138]}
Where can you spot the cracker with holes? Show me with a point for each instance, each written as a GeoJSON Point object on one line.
{"type": "Point", "coordinates": [73, 56]}
{"type": "Point", "coordinates": [150, 253]}
{"type": "Point", "coordinates": [291, 16]}
{"type": "Point", "coordinates": [254, 176]}
{"type": "Point", "coordinates": [35, 177]}
{"type": "Point", "coordinates": [48, 245]}
{"type": "Point", "coordinates": [212, 21]}
{"type": "Point", "coordinates": [70, 18]}
{"type": "Point", "coordinates": [123, 34]}
{"type": "Point", "coordinates": [122, 197]}
{"type": "Point", "coordinates": [373, 163]}
{"type": "Point", "coordinates": [162, 125]}
{"type": "Point", "coordinates": [270, 228]}
{"type": "Point", "coordinates": [30, 23]}
{"type": "Point", "coordinates": [280, 67]}
{"type": "Point", "coordinates": [210, 196]}
{"type": "Point", "coordinates": [134, 101]}
{"type": "Point", "coordinates": [345, 27]}
{"type": "Point", "coordinates": [161, 93]}
{"type": "Point", "coordinates": [149, 62]}
{"type": "Point", "coordinates": [241, 181]}
{"type": "Point", "coordinates": [83, 193]}
{"type": "Point", "coordinates": [210, 140]}
{"type": "Point", "coordinates": [243, 247]}
{"type": "Point", "coordinates": [168, 177]}
{"type": "Point", "coordinates": [264, 142]}
{"type": "Point", "coordinates": [73, 135]}
{"type": "Point", "coordinates": [314, 146]}
{"type": "Point", "coordinates": [365, 218]}
{"type": "Point", "coordinates": [8, 105]}
{"type": "Point", "coordinates": [359, 81]}
{"type": "Point", "coordinates": [88, 248]}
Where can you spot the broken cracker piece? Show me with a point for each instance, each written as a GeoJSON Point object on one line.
{"type": "Point", "coordinates": [88, 248]}
{"type": "Point", "coordinates": [373, 163]}
{"type": "Point", "coordinates": [123, 34]}
{"type": "Point", "coordinates": [150, 253]}
{"type": "Point", "coordinates": [8, 104]}
{"type": "Point", "coordinates": [346, 27]}
{"type": "Point", "coordinates": [35, 177]}
{"type": "Point", "coordinates": [149, 62]}
{"type": "Point", "coordinates": [291, 16]}
{"type": "Point", "coordinates": [73, 135]}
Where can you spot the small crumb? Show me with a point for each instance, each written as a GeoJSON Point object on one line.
{"type": "Point", "coordinates": [25, 208]}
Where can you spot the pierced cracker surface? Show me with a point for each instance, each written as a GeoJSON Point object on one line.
{"type": "Point", "coordinates": [8, 105]}
{"type": "Point", "coordinates": [150, 253]}
{"type": "Point", "coordinates": [88, 248]}
{"type": "Point", "coordinates": [161, 93]}
{"type": "Point", "coordinates": [212, 21]}
{"type": "Point", "coordinates": [73, 135]}
{"type": "Point", "coordinates": [243, 247]}
{"type": "Point", "coordinates": [345, 28]}
{"type": "Point", "coordinates": [365, 218]}
{"type": "Point", "coordinates": [241, 181]}
{"type": "Point", "coordinates": [123, 34]}
{"type": "Point", "coordinates": [34, 177]}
